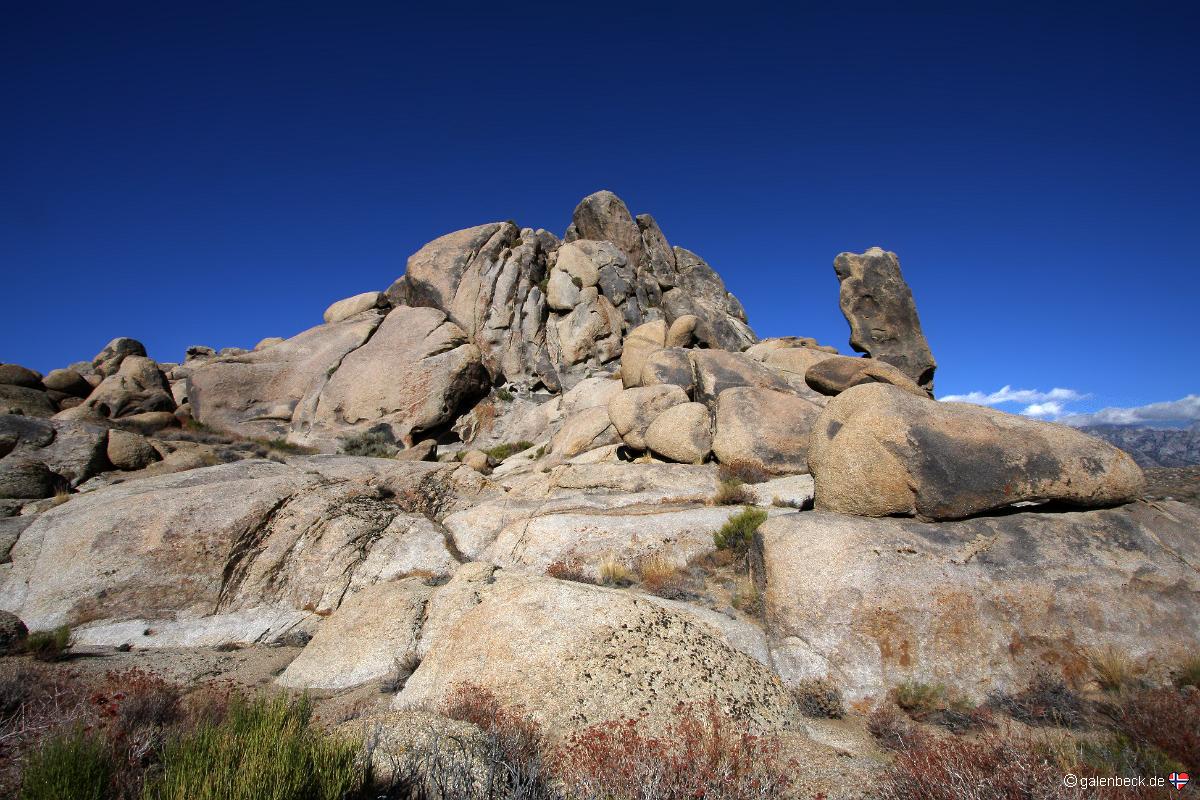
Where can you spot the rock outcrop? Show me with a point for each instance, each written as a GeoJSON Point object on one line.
{"type": "Point", "coordinates": [879, 451]}
{"type": "Point", "coordinates": [883, 317]}
{"type": "Point", "coordinates": [980, 605]}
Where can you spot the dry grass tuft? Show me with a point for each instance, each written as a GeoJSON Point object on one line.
{"type": "Point", "coordinates": [613, 573]}
{"type": "Point", "coordinates": [1113, 668]}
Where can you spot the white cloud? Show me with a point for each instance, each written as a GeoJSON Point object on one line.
{"type": "Point", "coordinates": [1047, 409]}
{"type": "Point", "coordinates": [1185, 409]}
{"type": "Point", "coordinates": [1010, 395]}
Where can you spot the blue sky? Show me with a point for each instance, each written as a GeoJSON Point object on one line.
{"type": "Point", "coordinates": [218, 173]}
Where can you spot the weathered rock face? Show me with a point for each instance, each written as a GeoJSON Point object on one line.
{"type": "Point", "coordinates": [574, 655]}
{"type": "Point", "coordinates": [764, 429]}
{"type": "Point", "coordinates": [129, 451]}
{"type": "Point", "coordinates": [108, 360]}
{"type": "Point", "coordinates": [836, 374]}
{"type": "Point", "coordinates": [72, 451]}
{"type": "Point", "coordinates": [23, 400]}
{"type": "Point", "coordinates": [641, 343]}
{"type": "Point", "coordinates": [700, 292]}
{"type": "Point", "coordinates": [879, 451]}
{"type": "Point", "coordinates": [267, 392]}
{"type": "Point", "coordinates": [343, 309]}
{"type": "Point", "coordinates": [717, 370]}
{"type": "Point", "coordinates": [633, 410]}
{"type": "Point", "coordinates": [233, 539]}
{"type": "Point", "coordinates": [682, 433]}
{"type": "Point", "coordinates": [417, 373]}
{"type": "Point", "coordinates": [977, 605]}
{"type": "Point", "coordinates": [883, 317]}
{"type": "Point", "coordinates": [16, 375]}
{"type": "Point", "coordinates": [137, 386]}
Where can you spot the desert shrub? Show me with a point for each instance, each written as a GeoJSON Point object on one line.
{"type": "Point", "coordinates": [890, 728]}
{"type": "Point", "coordinates": [377, 443]}
{"type": "Point", "coordinates": [512, 752]}
{"type": "Point", "coordinates": [283, 445]}
{"type": "Point", "coordinates": [743, 471]}
{"type": "Point", "coordinates": [504, 395]}
{"type": "Point", "coordinates": [75, 765]}
{"type": "Point", "coordinates": [1113, 668]}
{"type": "Point", "coordinates": [263, 748]}
{"type": "Point", "coordinates": [1163, 718]}
{"type": "Point", "coordinates": [48, 645]}
{"type": "Point", "coordinates": [919, 699]}
{"type": "Point", "coordinates": [737, 532]}
{"type": "Point", "coordinates": [569, 570]}
{"type": "Point", "coordinates": [702, 756]}
{"type": "Point", "coordinates": [613, 573]}
{"type": "Point", "coordinates": [402, 670]}
{"type": "Point", "coordinates": [1187, 673]}
{"type": "Point", "coordinates": [819, 697]}
{"type": "Point", "coordinates": [1046, 701]}
{"type": "Point", "coordinates": [660, 576]}
{"type": "Point", "coordinates": [991, 768]}
{"type": "Point", "coordinates": [1118, 754]}
{"type": "Point", "coordinates": [503, 451]}
{"type": "Point", "coordinates": [732, 492]}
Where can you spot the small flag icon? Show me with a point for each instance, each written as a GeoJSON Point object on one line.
{"type": "Point", "coordinates": [1179, 779]}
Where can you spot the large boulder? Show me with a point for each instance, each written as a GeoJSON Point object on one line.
{"type": "Point", "coordinates": [12, 633]}
{"type": "Point", "coordinates": [602, 216]}
{"type": "Point", "coordinates": [22, 477]}
{"type": "Point", "coordinates": [582, 431]}
{"type": "Point", "coordinates": [109, 360]}
{"type": "Point", "coordinates": [633, 410]}
{"type": "Point", "coordinates": [74, 451]}
{"type": "Point", "coordinates": [682, 433]}
{"type": "Point", "coordinates": [266, 392]}
{"type": "Point", "coordinates": [883, 317]}
{"type": "Point", "coordinates": [417, 372]}
{"type": "Point", "coordinates": [641, 343]}
{"type": "Point", "coordinates": [718, 370]}
{"type": "Point", "coordinates": [574, 655]}
{"type": "Point", "coordinates": [16, 375]}
{"type": "Point", "coordinates": [836, 374]}
{"type": "Point", "coordinates": [23, 400]}
{"type": "Point", "coordinates": [979, 605]}
{"type": "Point", "coordinates": [700, 292]}
{"type": "Point", "coordinates": [764, 429]}
{"type": "Point", "coordinates": [242, 538]}
{"type": "Point", "coordinates": [591, 332]}
{"type": "Point", "coordinates": [130, 451]}
{"type": "Point", "coordinates": [67, 381]}
{"type": "Point", "coordinates": [879, 451]}
{"type": "Point", "coordinates": [670, 365]}
{"type": "Point", "coordinates": [357, 304]}
{"type": "Point", "coordinates": [137, 386]}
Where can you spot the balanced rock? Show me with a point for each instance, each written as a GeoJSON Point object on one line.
{"type": "Point", "coordinates": [883, 317]}
{"type": "Point", "coordinates": [633, 410]}
{"type": "Point", "coordinates": [836, 374]}
{"type": "Point", "coordinates": [879, 451]}
{"type": "Point", "coordinates": [764, 429]}
{"type": "Point", "coordinates": [682, 433]}
{"type": "Point", "coordinates": [979, 605]}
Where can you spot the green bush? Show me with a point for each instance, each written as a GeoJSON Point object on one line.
{"type": "Point", "coordinates": [504, 395]}
{"type": "Point", "coordinates": [503, 451]}
{"type": "Point", "coordinates": [263, 749]}
{"type": "Point", "coordinates": [374, 443]}
{"type": "Point", "coordinates": [48, 645]}
{"type": "Point", "coordinates": [75, 765]}
{"type": "Point", "coordinates": [920, 699]}
{"type": "Point", "coordinates": [736, 533]}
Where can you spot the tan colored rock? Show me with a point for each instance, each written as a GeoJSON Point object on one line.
{"type": "Point", "coordinates": [591, 331]}
{"type": "Point", "coordinates": [357, 304]}
{"type": "Point", "coordinates": [681, 332]}
{"type": "Point", "coordinates": [129, 451]}
{"type": "Point", "coordinates": [364, 639]}
{"type": "Point", "coordinates": [979, 605]}
{"type": "Point", "coordinates": [582, 260]}
{"type": "Point", "coordinates": [416, 373]}
{"type": "Point", "coordinates": [270, 341]}
{"type": "Point", "coordinates": [561, 292]}
{"type": "Point", "coordinates": [583, 431]}
{"type": "Point", "coordinates": [639, 344]}
{"type": "Point", "coordinates": [478, 461]}
{"type": "Point", "coordinates": [836, 374]}
{"type": "Point", "coordinates": [67, 381]}
{"type": "Point", "coordinates": [764, 429]}
{"type": "Point", "coordinates": [682, 433]}
{"type": "Point", "coordinates": [16, 375]}
{"type": "Point", "coordinates": [425, 450]}
{"type": "Point", "coordinates": [633, 410]}
{"type": "Point", "coordinates": [879, 451]}
{"type": "Point", "coordinates": [573, 655]}
{"type": "Point", "coordinates": [137, 387]}
{"type": "Point", "coordinates": [108, 360]}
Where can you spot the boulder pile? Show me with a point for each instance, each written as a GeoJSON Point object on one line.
{"type": "Point", "coordinates": [507, 469]}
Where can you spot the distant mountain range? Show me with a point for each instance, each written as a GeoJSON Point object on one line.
{"type": "Point", "coordinates": [1153, 447]}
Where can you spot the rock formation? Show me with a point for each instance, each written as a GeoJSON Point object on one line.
{"type": "Point", "coordinates": [507, 470]}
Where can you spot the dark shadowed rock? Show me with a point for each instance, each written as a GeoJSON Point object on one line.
{"type": "Point", "coordinates": [24, 477]}
{"type": "Point", "coordinates": [67, 381]}
{"type": "Point", "coordinates": [22, 400]}
{"type": "Point", "coordinates": [602, 216]}
{"type": "Point", "coordinates": [12, 633]}
{"type": "Point", "coordinates": [699, 291]}
{"type": "Point", "coordinates": [16, 375]}
{"type": "Point", "coordinates": [669, 365]}
{"type": "Point", "coordinates": [879, 451]}
{"type": "Point", "coordinates": [883, 317]}
{"type": "Point", "coordinates": [836, 374]}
